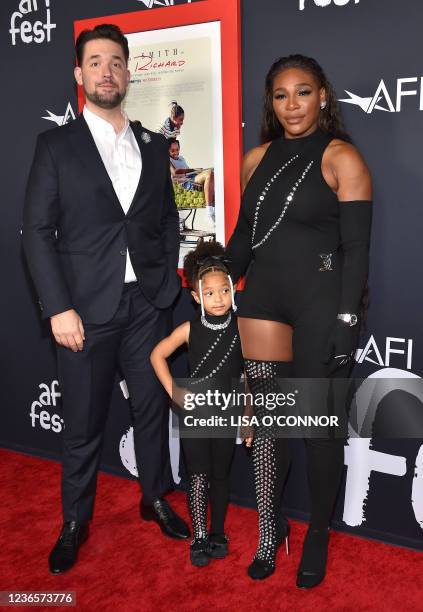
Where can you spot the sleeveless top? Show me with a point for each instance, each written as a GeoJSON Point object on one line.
{"type": "Point", "coordinates": [288, 229]}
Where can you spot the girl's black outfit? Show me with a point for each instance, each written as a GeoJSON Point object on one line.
{"type": "Point", "coordinates": [215, 362]}
{"type": "Point", "coordinates": [307, 255]}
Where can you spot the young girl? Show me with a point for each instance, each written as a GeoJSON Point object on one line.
{"type": "Point", "coordinates": [171, 127]}
{"type": "Point", "coordinates": [214, 354]}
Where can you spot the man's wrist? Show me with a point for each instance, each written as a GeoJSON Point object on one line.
{"type": "Point", "coordinates": [57, 314]}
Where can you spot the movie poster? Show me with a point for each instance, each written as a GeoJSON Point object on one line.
{"type": "Point", "coordinates": [176, 89]}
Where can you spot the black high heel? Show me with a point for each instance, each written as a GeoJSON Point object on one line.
{"type": "Point", "coordinates": [260, 569]}
{"type": "Point", "coordinates": [312, 568]}
{"type": "Point", "coordinates": [287, 531]}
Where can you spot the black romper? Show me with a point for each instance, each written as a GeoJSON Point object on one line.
{"type": "Point", "coordinates": [215, 362]}
{"type": "Point", "coordinates": [214, 354]}
{"type": "Point", "coordinates": [288, 231]}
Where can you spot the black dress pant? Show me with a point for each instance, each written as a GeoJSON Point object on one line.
{"type": "Point", "coordinates": [87, 379]}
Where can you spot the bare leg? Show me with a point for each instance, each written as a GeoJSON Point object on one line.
{"type": "Point", "coordinates": [265, 340]}
{"type": "Point", "coordinates": [206, 178]}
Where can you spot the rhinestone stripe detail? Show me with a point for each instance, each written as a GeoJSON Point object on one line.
{"type": "Point", "coordinates": [220, 364]}
{"type": "Point", "coordinates": [288, 201]}
{"type": "Point", "coordinates": [208, 353]}
{"type": "Point", "coordinates": [264, 193]}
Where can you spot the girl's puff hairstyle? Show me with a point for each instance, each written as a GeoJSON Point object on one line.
{"type": "Point", "coordinates": [206, 257]}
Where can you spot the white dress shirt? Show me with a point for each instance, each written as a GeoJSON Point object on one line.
{"type": "Point", "coordinates": [122, 158]}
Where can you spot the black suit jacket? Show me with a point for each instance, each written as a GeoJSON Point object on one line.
{"type": "Point", "coordinates": [75, 233]}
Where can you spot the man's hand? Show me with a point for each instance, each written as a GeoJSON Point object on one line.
{"type": "Point", "coordinates": [68, 330]}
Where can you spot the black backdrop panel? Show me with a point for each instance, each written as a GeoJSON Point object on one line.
{"type": "Point", "coordinates": [374, 64]}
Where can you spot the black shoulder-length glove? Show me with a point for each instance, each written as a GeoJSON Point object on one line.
{"type": "Point", "coordinates": [355, 219]}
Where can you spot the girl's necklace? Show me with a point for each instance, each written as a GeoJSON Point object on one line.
{"type": "Point", "coordinates": [216, 326]}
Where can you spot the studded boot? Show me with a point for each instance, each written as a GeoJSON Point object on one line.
{"type": "Point", "coordinates": [197, 502]}
{"type": "Point", "coordinates": [270, 463]}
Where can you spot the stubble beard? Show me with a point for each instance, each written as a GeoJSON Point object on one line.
{"type": "Point", "coordinates": [106, 101]}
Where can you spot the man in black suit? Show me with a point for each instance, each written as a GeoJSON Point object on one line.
{"type": "Point", "coordinates": [101, 239]}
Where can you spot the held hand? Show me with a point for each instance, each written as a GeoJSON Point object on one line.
{"type": "Point", "coordinates": [340, 346]}
{"type": "Point", "coordinates": [246, 432]}
{"type": "Point", "coordinates": [182, 397]}
{"type": "Point", "coordinates": [248, 441]}
{"type": "Point", "coordinates": [68, 330]}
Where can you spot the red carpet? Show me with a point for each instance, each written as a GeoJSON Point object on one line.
{"type": "Point", "coordinates": [127, 565]}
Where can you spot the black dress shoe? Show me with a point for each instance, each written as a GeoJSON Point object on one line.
{"type": "Point", "coordinates": [312, 568]}
{"type": "Point", "coordinates": [169, 522]}
{"type": "Point", "coordinates": [65, 551]}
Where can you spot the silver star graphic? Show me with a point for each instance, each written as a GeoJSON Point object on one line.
{"type": "Point", "coordinates": [61, 119]}
{"type": "Point", "coordinates": [55, 118]}
{"type": "Point", "coordinates": [363, 103]}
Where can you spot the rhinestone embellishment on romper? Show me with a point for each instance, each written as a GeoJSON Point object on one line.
{"type": "Point", "coordinates": [288, 201]}
{"type": "Point", "coordinates": [208, 353]}
{"type": "Point", "coordinates": [219, 365]}
{"type": "Point", "coordinates": [264, 193]}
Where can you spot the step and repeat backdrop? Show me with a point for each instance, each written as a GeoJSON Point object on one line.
{"type": "Point", "coordinates": [375, 66]}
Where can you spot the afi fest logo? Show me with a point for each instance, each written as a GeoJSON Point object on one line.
{"type": "Point", "coordinates": [360, 458]}
{"type": "Point", "coordinates": [127, 450]}
{"type": "Point", "coordinates": [61, 119]}
{"type": "Point", "coordinates": [31, 22]}
{"type": "Point", "coordinates": [382, 100]}
{"type": "Point", "coordinates": [41, 409]}
{"type": "Point", "coordinates": [151, 3]}
{"type": "Point", "coordinates": [324, 3]}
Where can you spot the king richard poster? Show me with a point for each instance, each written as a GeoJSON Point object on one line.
{"type": "Point", "coordinates": [183, 65]}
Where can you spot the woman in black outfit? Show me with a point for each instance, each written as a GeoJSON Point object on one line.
{"type": "Point", "coordinates": [303, 233]}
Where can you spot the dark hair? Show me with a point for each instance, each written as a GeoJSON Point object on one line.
{"type": "Point", "coordinates": [172, 141]}
{"type": "Point", "coordinates": [206, 257]}
{"type": "Point", "coordinates": [330, 117]}
{"type": "Point", "coordinates": [176, 110]}
{"type": "Point", "coordinates": [104, 30]}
